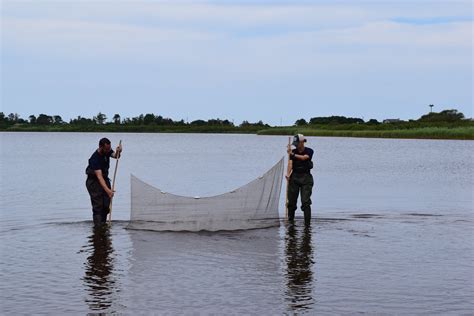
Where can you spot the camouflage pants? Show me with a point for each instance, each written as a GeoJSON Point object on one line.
{"type": "Point", "coordinates": [300, 182]}
{"type": "Point", "coordinates": [99, 199]}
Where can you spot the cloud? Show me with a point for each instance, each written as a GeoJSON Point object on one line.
{"type": "Point", "coordinates": [240, 51]}
{"type": "Point", "coordinates": [90, 39]}
{"type": "Point", "coordinates": [273, 53]}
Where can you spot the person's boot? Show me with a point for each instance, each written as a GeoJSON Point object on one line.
{"type": "Point", "coordinates": [307, 218]}
{"type": "Point", "coordinates": [291, 216]}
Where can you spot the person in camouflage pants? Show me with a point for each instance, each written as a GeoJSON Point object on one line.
{"type": "Point", "coordinates": [299, 178]}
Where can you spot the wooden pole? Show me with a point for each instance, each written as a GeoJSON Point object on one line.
{"type": "Point", "coordinates": [113, 182]}
{"type": "Point", "coordinates": [287, 182]}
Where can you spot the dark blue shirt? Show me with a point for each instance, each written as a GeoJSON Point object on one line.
{"type": "Point", "coordinates": [300, 166]}
{"type": "Point", "coordinates": [99, 162]}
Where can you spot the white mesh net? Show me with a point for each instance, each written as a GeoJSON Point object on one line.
{"type": "Point", "coordinates": [254, 205]}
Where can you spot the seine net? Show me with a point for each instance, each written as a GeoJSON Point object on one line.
{"type": "Point", "coordinates": [254, 205]}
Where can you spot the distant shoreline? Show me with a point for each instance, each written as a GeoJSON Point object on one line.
{"type": "Point", "coordinates": [447, 124]}
{"type": "Point", "coordinates": [454, 133]}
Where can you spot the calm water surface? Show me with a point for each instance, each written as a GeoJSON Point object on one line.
{"type": "Point", "coordinates": [392, 232]}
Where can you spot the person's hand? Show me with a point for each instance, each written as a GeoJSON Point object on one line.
{"type": "Point", "coordinates": [287, 177]}
{"type": "Point", "coordinates": [110, 193]}
{"type": "Point", "coordinates": [118, 151]}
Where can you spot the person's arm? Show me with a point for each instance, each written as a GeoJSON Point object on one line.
{"type": "Point", "coordinates": [109, 192]}
{"type": "Point", "coordinates": [289, 169]}
{"type": "Point", "coordinates": [117, 152]}
{"type": "Point", "coordinates": [300, 157]}
{"type": "Point", "coordinates": [290, 162]}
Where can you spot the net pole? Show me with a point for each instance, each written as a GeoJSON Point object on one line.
{"type": "Point", "coordinates": [287, 182]}
{"type": "Point", "coordinates": [113, 183]}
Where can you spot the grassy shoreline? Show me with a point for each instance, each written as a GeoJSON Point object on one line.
{"type": "Point", "coordinates": [459, 132]}
{"type": "Point", "coordinates": [133, 129]}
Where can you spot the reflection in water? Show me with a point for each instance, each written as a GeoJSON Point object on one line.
{"type": "Point", "coordinates": [299, 259]}
{"type": "Point", "coordinates": [98, 279]}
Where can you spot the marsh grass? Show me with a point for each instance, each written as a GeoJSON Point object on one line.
{"type": "Point", "coordinates": [446, 131]}
{"type": "Point", "coordinates": [423, 133]}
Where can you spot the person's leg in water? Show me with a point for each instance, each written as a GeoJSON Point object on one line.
{"type": "Point", "coordinates": [306, 191]}
{"type": "Point", "coordinates": [293, 193]}
{"type": "Point", "coordinates": [100, 202]}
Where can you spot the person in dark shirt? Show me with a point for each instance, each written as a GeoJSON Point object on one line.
{"type": "Point", "coordinates": [299, 178]}
{"type": "Point", "coordinates": [98, 182]}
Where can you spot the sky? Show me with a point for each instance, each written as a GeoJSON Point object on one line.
{"type": "Point", "coordinates": [275, 61]}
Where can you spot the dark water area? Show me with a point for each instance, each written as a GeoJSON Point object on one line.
{"type": "Point", "coordinates": [391, 234]}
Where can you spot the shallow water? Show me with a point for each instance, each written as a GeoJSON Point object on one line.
{"type": "Point", "coordinates": [392, 232]}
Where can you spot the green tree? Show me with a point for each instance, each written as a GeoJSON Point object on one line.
{"type": "Point", "coordinates": [443, 116]}
{"type": "Point", "coordinates": [335, 120]}
{"type": "Point", "coordinates": [373, 122]}
{"type": "Point", "coordinates": [32, 119]}
{"type": "Point", "coordinates": [258, 124]}
{"type": "Point", "coordinates": [116, 119]}
{"type": "Point", "coordinates": [4, 120]}
{"type": "Point", "coordinates": [100, 118]}
{"type": "Point", "coordinates": [227, 123]}
{"type": "Point", "coordinates": [57, 119]}
{"type": "Point", "coordinates": [138, 120]}
{"type": "Point", "coordinates": [13, 117]}
{"type": "Point", "coordinates": [82, 121]}
{"type": "Point", "coordinates": [44, 119]}
{"type": "Point", "coordinates": [148, 119]}
{"type": "Point", "coordinates": [301, 122]}
{"type": "Point", "coordinates": [199, 123]}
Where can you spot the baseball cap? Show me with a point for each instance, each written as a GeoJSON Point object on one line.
{"type": "Point", "coordinates": [298, 138]}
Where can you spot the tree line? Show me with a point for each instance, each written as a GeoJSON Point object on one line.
{"type": "Point", "coordinates": [451, 115]}
{"type": "Point", "coordinates": [150, 120]}
{"type": "Point", "coordinates": [101, 119]}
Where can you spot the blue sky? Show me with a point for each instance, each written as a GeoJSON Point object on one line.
{"type": "Point", "coordinates": [275, 61]}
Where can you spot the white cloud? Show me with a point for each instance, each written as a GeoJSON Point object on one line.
{"type": "Point", "coordinates": [245, 52]}
{"type": "Point", "coordinates": [90, 38]}
{"type": "Point", "coordinates": [322, 14]}
{"type": "Point", "coordinates": [274, 53]}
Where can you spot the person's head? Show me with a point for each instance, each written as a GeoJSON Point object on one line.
{"type": "Point", "coordinates": [104, 145]}
{"type": "Point", "coordinates": [298, 141]}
